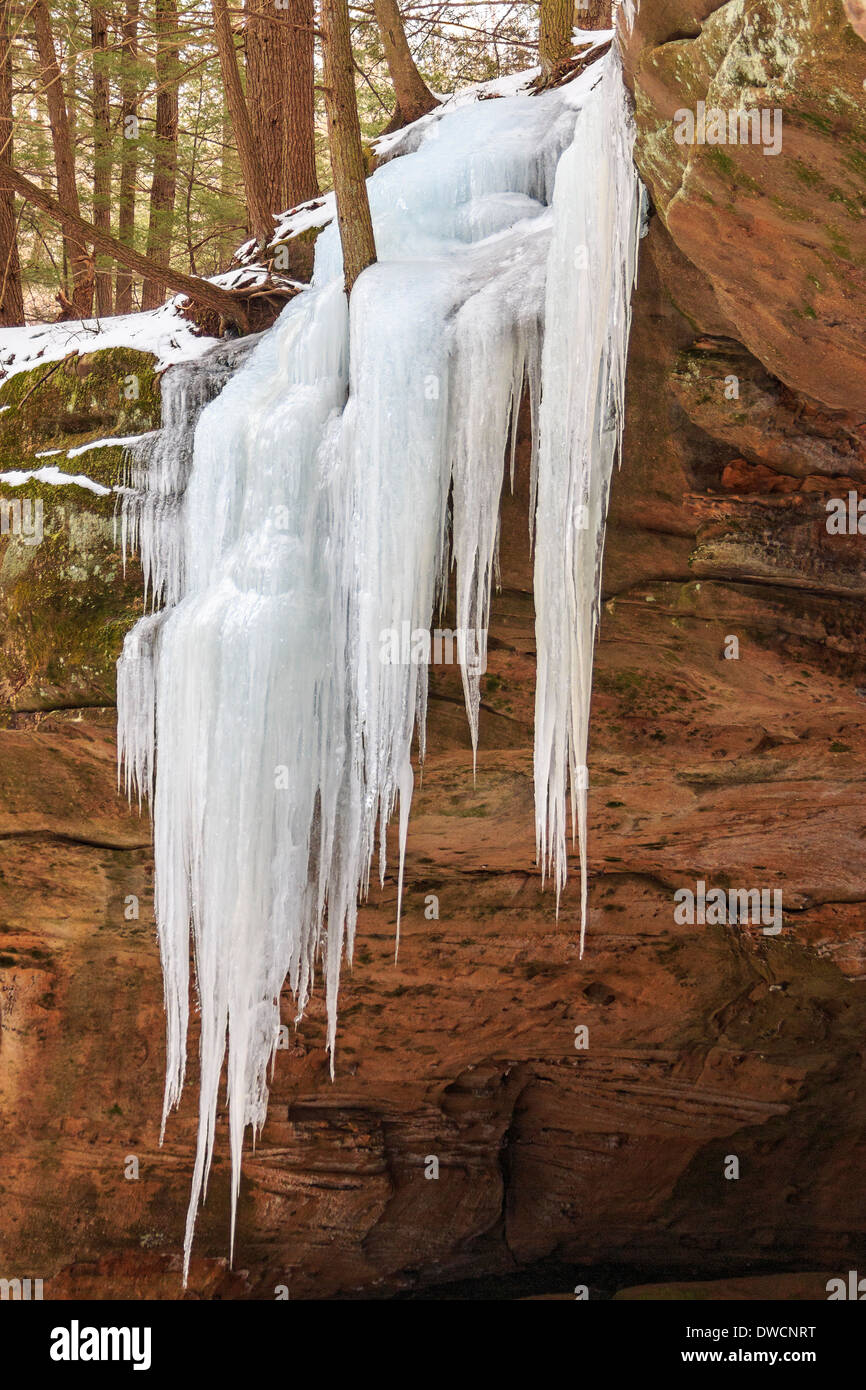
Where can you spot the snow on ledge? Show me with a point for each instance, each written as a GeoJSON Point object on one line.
{"type": "Point", "coordinates": [164, 332]}
{"type": "Point", "coordinates": [53, 475]}
{"type": "Point", "coordinates": [124, 440]}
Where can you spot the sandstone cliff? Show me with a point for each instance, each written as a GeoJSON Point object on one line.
{"type": "Point", "coordinates": [602, 1165]}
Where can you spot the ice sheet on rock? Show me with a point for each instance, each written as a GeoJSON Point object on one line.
{"type": "Point", "coordinates": [307, 519]}
{"type": "Point", "coordinates": [158, 467]}
{"type": "Point", "coordinates": [627, 9]}
{"type": "Point", "coordinates": [478, 167]}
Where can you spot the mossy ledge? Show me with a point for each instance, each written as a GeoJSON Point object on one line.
{"type": "Point", "coordinates": [76, 401]}
{"type": "Point", "coordinates": [65, 601]}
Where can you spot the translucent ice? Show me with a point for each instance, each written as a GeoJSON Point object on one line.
{"type": "Point", "coordinates": [355, 454]}
{"type": "Point", "coordinates": [591, 273]}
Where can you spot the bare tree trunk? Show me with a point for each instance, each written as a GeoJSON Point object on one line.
{"type": "Point", "coordinates": [267, 66]}
{"type": "Point", "coordinates": [11, 295]}
{"type": "Point", "coordinates": [129, 155]}
{"type": "Point", "coordinates": [555, 24]}
{"type": "Point", "coordinates": [261, 221]}
{"type": "Point", "coordinates": [164, 183]}
{"type": "Point", "coordinates": [192, 174]}
{"type": "Point", "coordinates": [593, 14]}
{"type": "Point", "coordinates": [344, 132]}
{"type": "Point", "coordinates": [413, 96]}
{"type": "Point", "coordinates": [64, 157]}
{"type": "Point", "coordinates": [281, 99]}
{"type": "Point", "coordinates": [101, 147]}
{"type": "Point", "coordinates": [230, 306]}
{"type": "Point", "coordinates": [228, 182]}
{"type": "Point", "coordinates": [299, 151]}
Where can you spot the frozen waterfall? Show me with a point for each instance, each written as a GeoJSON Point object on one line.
{"type": "Point", "coordinates": [351, 460]}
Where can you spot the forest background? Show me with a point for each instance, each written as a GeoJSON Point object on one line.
{"type": "Point", "coordinates": [179, 130]}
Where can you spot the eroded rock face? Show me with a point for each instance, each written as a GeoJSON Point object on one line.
{"type": "Point", "coordinates": [556, 1164]}
{"type": "Point", "coordinates": [856, 12]}
{"type": "Point", "coordinates": [780, 236]}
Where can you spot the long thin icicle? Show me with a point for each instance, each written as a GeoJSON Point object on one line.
{"type": "Point", "coordinates": [590, 278]}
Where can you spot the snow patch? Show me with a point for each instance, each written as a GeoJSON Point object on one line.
{"type": "Point", "coordinates": [54, 476]}
{"type": "Point", "coordinates": [124, 440]}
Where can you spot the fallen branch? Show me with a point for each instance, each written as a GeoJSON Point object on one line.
{"type": "Point", "coordinates": [263, 301]}
{"type": "Point", "coordinates": [228, 304]}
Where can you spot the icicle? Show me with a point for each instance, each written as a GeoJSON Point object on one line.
{"type": "Point", "coordinates": [591, 275]}
{"type": "Point", "coordinates": [497, 342]}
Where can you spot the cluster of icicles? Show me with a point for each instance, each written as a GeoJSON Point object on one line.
{"type": "Point", "coordinates": [318, 501]}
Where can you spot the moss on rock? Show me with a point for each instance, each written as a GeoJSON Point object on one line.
{"type": "Point", "coordinates": [68, 404]}
{"type": "Point", "coordinates": [758, 216]}
{"type": "Point", "coordinates": [65, 602]}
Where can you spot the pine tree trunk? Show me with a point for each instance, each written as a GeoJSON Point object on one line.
{"type": "Point", "coordinates": [129, 152]}
{"type": "Point", "coordinates": [228, 185]}
{"type": "Point", "coordinates": [414, 98]}
{"type": "Point", "coordinates": [252, 172]}
{"type": "Point", "coordinates": [593, 14]}
{"type": "Point", "coordinates": [164, 184]}
{"type": "Point", "coordinates": [51, 83]}
{"type": "Point", "coordinates": [191, 174]}
{"type": "Point", "coordinates": [11, 296]}
{"type": "Point", "coordinates": [556, 21]}
{"type": "Point", "coordinates": [101, 148]}
{"type": "Point", "coordinates": [267, 65]}
{"type": "Point", "coordinates": [299, 151]}
{"type": "Point", "coordinates": [344, 133]}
